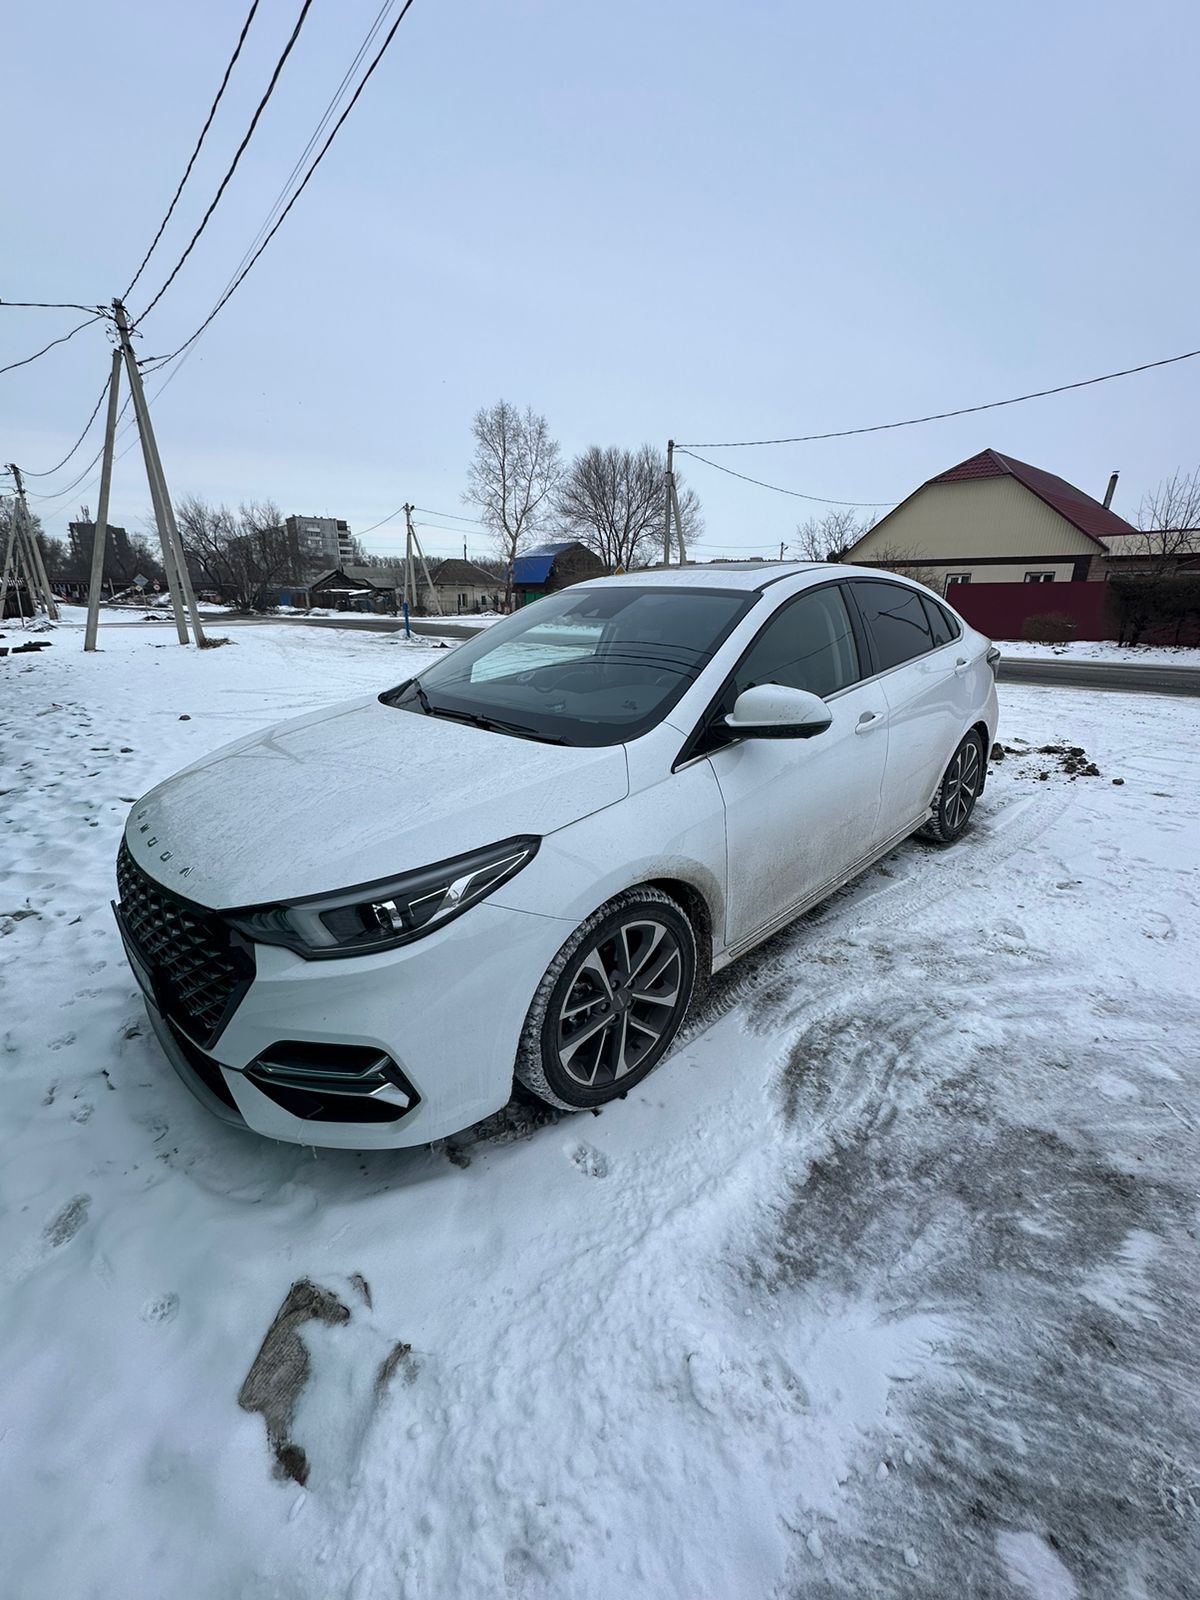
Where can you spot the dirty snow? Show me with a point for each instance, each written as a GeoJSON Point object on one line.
{"type": "Point", "coordinates": [1145, 655]}
{"type": "Point", "coordinates": [885, 1284]}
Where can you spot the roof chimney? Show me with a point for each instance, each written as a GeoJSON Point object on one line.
{"type": "Point", "coordinates": [1108, 493]}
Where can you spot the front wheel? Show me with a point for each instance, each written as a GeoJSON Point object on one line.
{"type": "Point", "coordinates": [957, 793]}
{"type": "Point", "coordinates": [611, 1002]}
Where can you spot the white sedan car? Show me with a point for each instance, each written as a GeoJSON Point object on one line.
{"type": "Point", "coordinates": [355, 928]}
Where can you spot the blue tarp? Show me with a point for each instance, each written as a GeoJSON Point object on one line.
{"type": "Point", "coordinates": [533, 566]}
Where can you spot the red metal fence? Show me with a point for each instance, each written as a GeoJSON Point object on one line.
{"type": "Point", "coordinates": [1001, 610]}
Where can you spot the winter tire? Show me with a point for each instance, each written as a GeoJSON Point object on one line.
{"type": "Point", "coordinates": [957, 793]}
{"type": "Point", "coordinates": [611, 1003]}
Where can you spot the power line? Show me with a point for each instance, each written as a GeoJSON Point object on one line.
{"type": "Point", "coordinates": [59, 494]}
{"type": "Point", "coordinates": [450, 516]}
{"type": "Point", "coordinates": [237, 50]}
{"type": "Point", "coordinates": [240, 278]}
{"type": "Point", "coordinates": [155, 362]}
{"type": "Point", "coordinates": [317, 131]}
{"type": "Point", "coordinates": [249, 134]}
{"type": "Point", "coordinates": [380, 523]}
{"type": "Point", "coordinates": [13, 365]}
{"type": "Point", "coordinates": [50, 305]}
{"type": "Point", "coordinates": [51, 470]}
{"type": "Point", "coordinates": [795, 493]}
{"type": "Point", "coordinates": [940, 416]}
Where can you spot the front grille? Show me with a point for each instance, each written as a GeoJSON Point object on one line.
{"type": "Point", "coordinates": [198, 971]}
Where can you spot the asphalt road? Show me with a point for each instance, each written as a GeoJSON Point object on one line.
{"type": "Point", "coordinates": [1058, 672]}
{"type": "Point", "coordinates": [1141, 679]}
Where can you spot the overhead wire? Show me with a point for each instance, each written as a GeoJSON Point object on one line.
{"type": "Point", "coordinates": [940, 416]}
{"type": "Point", "coordinates": [50, 305]}
{"type": "Point", "coordinates": [48, 471]}
{"type": "Point", "coordinates": [62, 339]}
{"type": "Point", "coordinates": [232, 168]}
{"type": "Point", "coordinates": [187, 172]}
{"type": "Point", "coordinates": [242, 275]}
{"type": "Point", "coordinates": [778, 488]}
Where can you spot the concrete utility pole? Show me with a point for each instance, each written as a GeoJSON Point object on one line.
{"type": "Point", "coordinates": [100, 533]}
{"type": "Point", "coordinates": [9, 547]}
{"type": "Point", "coordinates": [178, 582]}
{"type": "Point", "coordinates": [39, 591]}
{"type": "Point", "coordinates": [410, 588]}
{"type": "Point", "coordinates": [433, 594]}
{"type": "Point", "coordinates": [668, 497]}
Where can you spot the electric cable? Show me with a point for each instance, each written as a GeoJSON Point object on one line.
{"type": "Point", "coordinates": [237, 50]}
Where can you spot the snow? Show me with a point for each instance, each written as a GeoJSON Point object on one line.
{"type": "Point", "coordinates": [1147, 655]}
{"type": "Point", "coordinates": [915, 1192]}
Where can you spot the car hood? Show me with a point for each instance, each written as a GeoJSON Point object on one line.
{"type": "Point", "coordinates": [353, 794]}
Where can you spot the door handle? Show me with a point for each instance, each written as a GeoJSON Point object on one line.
{"type": "Point", "coordinates": [961, 666]}
{"type": "Point", "coordinates": [868, 720]}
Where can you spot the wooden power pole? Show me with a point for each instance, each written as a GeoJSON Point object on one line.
{"type": "Point", "coordinates": [179, 584]}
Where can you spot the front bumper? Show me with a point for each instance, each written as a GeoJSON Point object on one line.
{"type": "Point", "coordinates": [448, 1011]}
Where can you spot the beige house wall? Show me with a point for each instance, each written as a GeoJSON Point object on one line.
{"type": "Point", "coordinates": [981, 517]}
{"type": "Point", "coordinates": [995, 572]}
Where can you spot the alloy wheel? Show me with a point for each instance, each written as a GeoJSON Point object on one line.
{"type": "Point", "coordinates": [961, 785]}
{"type": "Point", "coordinates": [626, 995]}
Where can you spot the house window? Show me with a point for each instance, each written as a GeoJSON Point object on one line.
{"type": "Point", "coordinates": [957, 577]}
{"type": "Point", "coordinates": [1039, 577]}
{"type": "Point", "coordinates": [462, 602]}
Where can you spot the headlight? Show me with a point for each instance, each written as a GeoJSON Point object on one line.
{"type": "Point", "coordinates": [380, 916]}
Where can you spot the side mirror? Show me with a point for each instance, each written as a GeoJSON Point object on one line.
{"type": "Point", "coordinates": [773, 711]}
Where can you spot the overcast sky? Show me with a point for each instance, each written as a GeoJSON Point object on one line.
{"type": "Point", "coordinates": [711, 221]}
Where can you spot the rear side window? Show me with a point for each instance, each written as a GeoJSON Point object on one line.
{"type": "Point", "coordinates": [809, 644]}
{"type": "Point", "coordinates": [940, 621]}
{"type": "Point", "coordinates": [896, 619]}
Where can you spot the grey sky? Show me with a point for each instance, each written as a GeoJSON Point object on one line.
{"type": "Point", "coordinates": [713, 221]}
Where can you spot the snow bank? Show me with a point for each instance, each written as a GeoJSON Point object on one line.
{"type": "Point", "coordinates": [1150, 655]}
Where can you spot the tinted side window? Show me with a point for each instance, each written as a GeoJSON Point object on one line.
{"type": "Point", "coordinates": [939, 621]}
{"type": "Point", "coordinates": [809, 645]}
{"type": "Point", "coordinates": [896, 619]}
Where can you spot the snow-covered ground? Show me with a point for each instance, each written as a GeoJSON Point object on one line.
{"type": "Point", "coordinates": [1147, 655]}
{"type": "Point", "coordinates": [885, 1284]}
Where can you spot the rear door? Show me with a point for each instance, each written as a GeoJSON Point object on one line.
{"type": "Point", "coordinates": [799, 812]}
{"type": "Point", "coordinates": [925, 679]}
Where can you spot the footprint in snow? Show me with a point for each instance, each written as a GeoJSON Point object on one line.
{"type": "Point", "coordinates": [66, 1223]}
{"type": "Point", "coordinates": [591, 1162]}
{"type": "Point", "coordinates": [160, 1308]}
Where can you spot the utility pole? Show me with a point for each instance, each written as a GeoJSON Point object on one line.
{"type": "Point", "coordinates": [100, 532]}
{"type": "Point", "coordinates": [33, 555]}
{"type": "Point", "coordinates": [178, 582]}
{"type": "Point", "coordinates": [9, 546]}
{"type": "Point", "coordinates": [668, 497]}
{"type": "Point", "coordinates": [428, 580]}
{"type": "Point", "coordinates": [410, 588]}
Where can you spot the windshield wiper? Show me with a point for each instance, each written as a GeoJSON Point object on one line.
{"type": "Point", "coordinates": [478, 719]}
{"type": "Point", "coordinates": [422, 697]}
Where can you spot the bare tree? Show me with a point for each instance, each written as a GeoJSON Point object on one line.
{"type": "Point", "coordinates": [828, 537]}
{"type": "Point", "coordinates": [908, 562]}
{"type": "Point", "coordinates": [244, 555]}
{"type": "Point", "coordinates": [1169, 524]}
{"type": "Point", "coordinates": [611, 500]}
{"type": "Point", "coordinates": [512, 478]}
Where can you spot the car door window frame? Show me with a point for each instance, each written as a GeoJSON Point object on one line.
{"type": "Point", "coordinates": [879, 671]}
{"type": "Point", "coordinates": [695, 747]}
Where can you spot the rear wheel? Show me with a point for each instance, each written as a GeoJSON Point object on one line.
{"type": "Point", "coordinates": [957, 793]}
{"type": "Point", "coordinates": [611, 1002]}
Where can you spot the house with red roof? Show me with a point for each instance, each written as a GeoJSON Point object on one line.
{"type": "Point", "coordinates": [993, 519]}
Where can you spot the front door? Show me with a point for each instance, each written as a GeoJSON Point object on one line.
{"type": "Point", "coordinates": [800, 812]}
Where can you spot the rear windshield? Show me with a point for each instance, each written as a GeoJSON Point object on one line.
{"type": "Point", "coordinates": [588, 666]}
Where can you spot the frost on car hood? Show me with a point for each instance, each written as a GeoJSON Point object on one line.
{"type": "Point", "coordinates": [354, 793]}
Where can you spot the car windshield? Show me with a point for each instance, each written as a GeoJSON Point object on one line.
{"type": "Point", "coordinates": [589, 666]}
